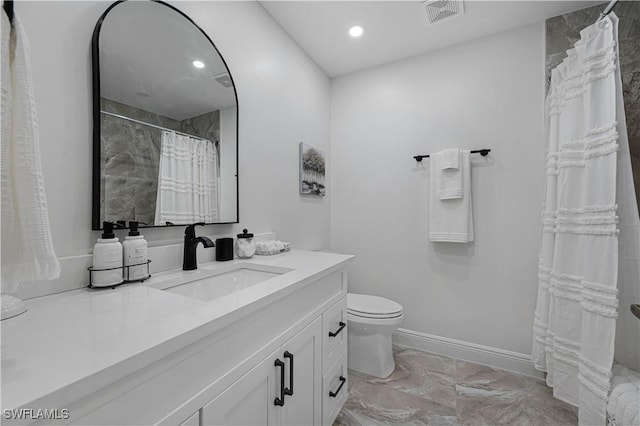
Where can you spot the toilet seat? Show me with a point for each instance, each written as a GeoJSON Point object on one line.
{"type": "Point", "coordinates": [392, 322]}
{"type": "Point", "coordinates": [372, 307]}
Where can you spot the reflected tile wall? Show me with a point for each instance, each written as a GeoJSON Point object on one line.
{"type": "Point", "coordinates": [207, 126]}
{"type": "Point", "coordinates": [564, 30]}
{"type": "Point", "coordinates": [131, 158]}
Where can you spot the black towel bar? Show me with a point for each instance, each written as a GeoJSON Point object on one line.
{"type": "Point", "coordinates": [483, 152]}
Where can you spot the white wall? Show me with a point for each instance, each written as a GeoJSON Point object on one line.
{"type": "Point", "coordinates": [283, 97]}
{"type": "Point", "coordinates": [228, 139]}
{"type": "Point", "coordinates": [487, 93]}
{"type": "Point", "coordinates": [484, 94]}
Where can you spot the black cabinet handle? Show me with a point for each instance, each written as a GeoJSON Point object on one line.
{"type": "Point", "coordinates": [289, 390]}
{"type": "Point", "coordinates": [342, 382]}
{"type": "Point", "coordinates": [280, 401]}
{"type": "Point", "coordinates": [335, 333]}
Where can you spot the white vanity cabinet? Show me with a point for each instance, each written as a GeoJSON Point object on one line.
{"type": "Point", "coordinates": [249, 401]}
{"type": "Point", "coordinates": [269, 394]}
{"type": "Point", "coordinates": [230, 376]}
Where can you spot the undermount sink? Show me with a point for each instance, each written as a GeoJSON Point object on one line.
{"type": "Point", "coordinates": [229, 281]}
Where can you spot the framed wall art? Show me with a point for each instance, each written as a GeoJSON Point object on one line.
{"type": "Point", "coordinates": [312, 170]}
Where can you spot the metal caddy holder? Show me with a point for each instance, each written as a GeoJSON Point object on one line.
{"type": "Point", "coordinates": [123, 268]}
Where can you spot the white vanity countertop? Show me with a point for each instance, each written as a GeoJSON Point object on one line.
{"type": "Point", "coordinates": [81, 340]}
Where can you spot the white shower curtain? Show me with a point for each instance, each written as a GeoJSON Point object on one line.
{"type": "Point", "coordinates": [581, 263]}
{"type": "Point", "coordinates": [187, 181]}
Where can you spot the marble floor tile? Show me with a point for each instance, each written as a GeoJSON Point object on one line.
{"type": "Point", "coordinates": [429, 389]}
{"type": "Point", "coordinates": [491, 407]}
{"type": "Point", "coordinates": [543, 409]}
{"type": "Point", "coordinates": [488, 396]}
{"type": "Point", "coordinates": [477, 376]}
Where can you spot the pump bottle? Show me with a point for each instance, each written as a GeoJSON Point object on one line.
{"type": "Point", "coordinates": [107, 259]}
{"type": "Point", "coordinates": [135, 253]}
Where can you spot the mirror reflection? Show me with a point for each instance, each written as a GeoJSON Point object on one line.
{"type": "Point", "coordinates": [167, 115]}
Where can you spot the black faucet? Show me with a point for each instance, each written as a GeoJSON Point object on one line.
{"type": "Point", "coordinates": [190, 243]}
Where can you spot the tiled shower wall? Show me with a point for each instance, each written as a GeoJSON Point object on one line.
{"type": "Point", "coordinates": [564, 30]}
{"type": "Point", "coordinates": [131, 158]}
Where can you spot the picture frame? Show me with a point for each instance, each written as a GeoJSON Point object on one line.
{"type": "Point", "coordinates": [312, 170]}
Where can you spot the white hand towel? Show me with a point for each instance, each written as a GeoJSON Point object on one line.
{"type": "Point", "coordinates": [451, 220]}
{"type": "Point", "coordinates": [271, 247]}
{"type": "Point", "coordinates": [449, 163]}
{"type": "Point", "coordinates": [450, 159]}
{"type": "Point", "coordinates": [27, 248]}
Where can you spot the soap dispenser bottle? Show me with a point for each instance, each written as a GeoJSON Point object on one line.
{"type": "Point", "coordinates": [135, 253]}
{"type": "Point", "coordinates": [107, 259]}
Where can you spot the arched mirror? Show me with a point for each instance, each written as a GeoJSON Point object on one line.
{"type": "Point", "coordinates": [165, 118]}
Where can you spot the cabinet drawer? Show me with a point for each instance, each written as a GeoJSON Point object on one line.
{"type": "Point", "coordinates": [334, 333]}
{"type": "Point", "coordinates": [334, 390]}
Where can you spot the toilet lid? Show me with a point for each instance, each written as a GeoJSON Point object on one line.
{"type": "Point", "coordinates": [365, 305]}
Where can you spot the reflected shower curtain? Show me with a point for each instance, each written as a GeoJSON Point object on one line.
{"type": "Point", "coordinates": [187, 181]}
{"type": "Point", "coordinates": [582, 261]}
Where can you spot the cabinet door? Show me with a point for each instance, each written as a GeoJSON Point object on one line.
{"type": "Point", "coordinates": [249, 400]}
{"type": "Point", "coordinates": [304, 350]}
{"type": "Point", "coordinates": [193, 420]}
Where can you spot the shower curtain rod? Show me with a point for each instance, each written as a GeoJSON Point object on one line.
{"type": "Point", "coordinates": [153, 125]}
{"type": "Point", "coordinates": [607, 10]}
{"type": "Point", "coordinates": [482, 152]}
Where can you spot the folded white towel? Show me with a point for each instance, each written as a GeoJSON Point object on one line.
{"type": "Point", "coordinates": [451, 220]}
{"type": "Point", "coordinates": [27, 248]}
{"type": "Point", "coordinates": [450, 159]}
{"type": "Point", "coordinates": [450, 165]}
{"type": "Point", "coordinates": [624, 402]}
{"type": "Point", "coordinates": [271, 247]}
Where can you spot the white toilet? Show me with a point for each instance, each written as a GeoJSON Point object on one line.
{"type": "Point", "coordinates": [371, 322]}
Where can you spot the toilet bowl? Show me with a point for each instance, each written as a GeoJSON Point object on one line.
{"type": "Point", "coordinates": [371, 322]}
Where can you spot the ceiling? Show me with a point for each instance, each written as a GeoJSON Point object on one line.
{"type": "Point", "coordinates": [146, 61]}
{"type": "Point", "coordinates": [395, 30]}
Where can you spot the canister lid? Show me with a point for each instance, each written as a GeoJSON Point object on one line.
{"type": "Point", "coordinates": [245, 234]}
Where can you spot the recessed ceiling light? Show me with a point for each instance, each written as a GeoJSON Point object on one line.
{"type": "Point", "coordinates": [198, 64]}
{"type": "Point", "coordinates": [356, 31]}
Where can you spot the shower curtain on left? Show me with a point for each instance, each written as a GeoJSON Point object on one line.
{"type": "Point", "coordinates": [187, 181]}
{"type": "Point", "coordinates": [581, 261]}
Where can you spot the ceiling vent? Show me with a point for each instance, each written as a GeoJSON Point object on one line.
{"type": "Point", "coordinates": [223, 79]}
{"type": "Point", "coordinates": [437, 10]}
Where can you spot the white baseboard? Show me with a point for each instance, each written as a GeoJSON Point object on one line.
{"type": "Point", "coordinates": [467, 351]}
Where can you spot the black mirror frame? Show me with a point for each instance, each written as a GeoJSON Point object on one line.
{"type": "Point", "coordinates": [96, 225]}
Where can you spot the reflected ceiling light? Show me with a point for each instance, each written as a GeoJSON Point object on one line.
{"type": "Point", "coordinates": [356, 31]}
{"type": "Point", "coordinates": [198, 64]}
